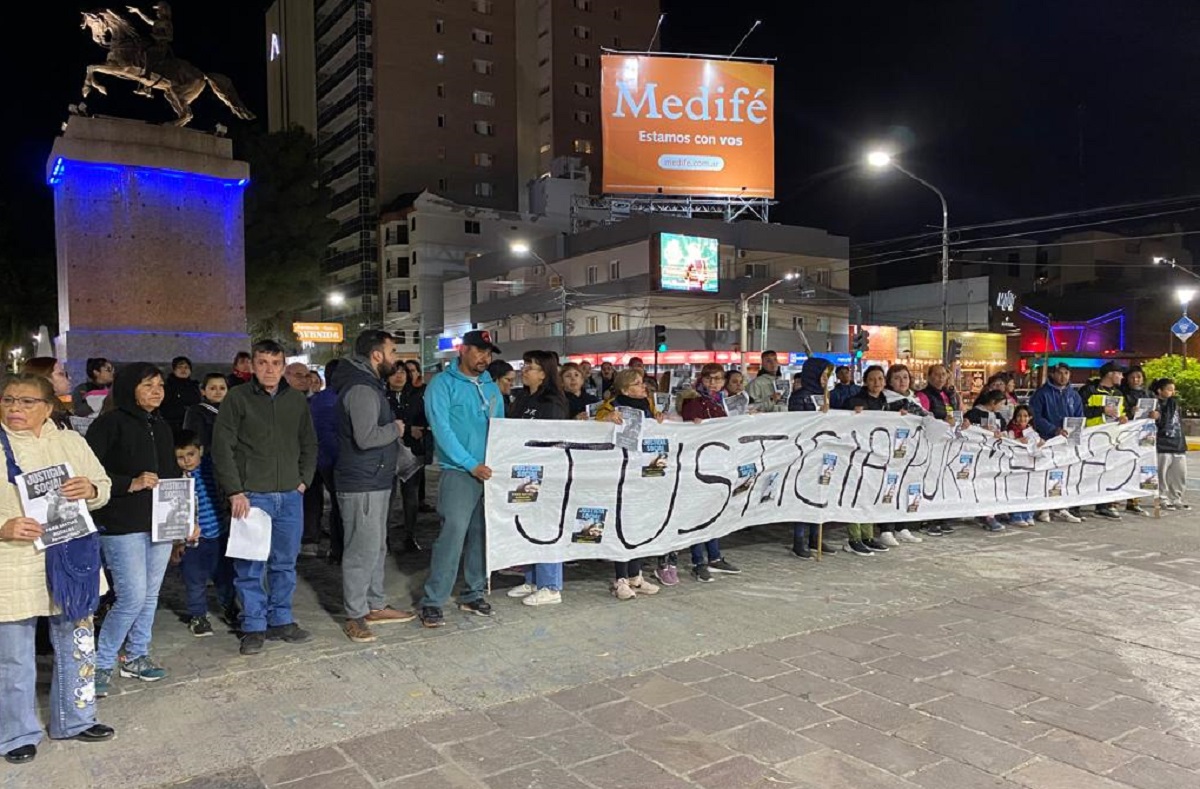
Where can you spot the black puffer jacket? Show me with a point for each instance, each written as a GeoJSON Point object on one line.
{"type": "Point", "coordinates": [810, 385]}
{"type": "Point", "coordinates": [181, 394]}
{"type": "Point", "coordinates": [1170, 439]}
{"type": "Point", "coordinates": [130, 441]}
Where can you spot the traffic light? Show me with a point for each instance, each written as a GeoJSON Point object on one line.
{"type": "Point", "coordinates": [660, 338]}
{"type": "Point", "coordinates": [953, 351]}
{"type": "Point", "coordinates": [862, 343]}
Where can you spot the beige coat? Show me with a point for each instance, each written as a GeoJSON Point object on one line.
{"type": "Point", "coordinates": [23, 590]}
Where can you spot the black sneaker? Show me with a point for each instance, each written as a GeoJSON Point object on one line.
{"type": "Point", "coordinates": [1108, 512]}
{"type": "Point", "coordinates": [946, 528]}
{"type": "Point", "coordinates": [229, 614]}
{"type": "Point", "coordinates": [478, 607]}
{"type": "Point", "coordinates": [1078, 513]}
{"type": "Point", "coordinates": [432, 617]}
{"type": "Point", "coordinates": [723, 566]}
{"type": "Point", "coordinates": [802, 552]}
{"type": "Point", "coordinates": [934, 530]}
{"type": "Point", "coordinates": [200, 627]}
{"type": "Point", "coordinates": [252, 643]}
{"type": "Point", "coordinates": [1135, 508]}
{"type": "Point", "coordinates": [858, 548]}
{"type": "Point", "coordinates": [701, 573]}
{"type": "Point", "coordinates": [875, 545]}
{"type": "Point", "coordinates": [291, 633]}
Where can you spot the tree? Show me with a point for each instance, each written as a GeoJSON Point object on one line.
{"type": "Point", "coordinates": [287, 228]}
{"type": "Point", "coordinates": [1187, 381]}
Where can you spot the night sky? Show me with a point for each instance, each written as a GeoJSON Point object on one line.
{"type": "Point", "coordinates": [1012, 108]}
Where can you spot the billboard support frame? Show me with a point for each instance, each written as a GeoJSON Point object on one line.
{"type": "Point", "coordinates": [619, 207]}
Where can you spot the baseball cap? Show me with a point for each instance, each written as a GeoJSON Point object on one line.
{"type": "Point", "coordinates": [1060, 366]}
{"type": "Point", "coordinates": [480, 339]}
{"type": "Point", "coordinates": [1111, 367]}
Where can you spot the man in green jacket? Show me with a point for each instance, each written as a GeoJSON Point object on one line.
{"type": "Point", "coordinates": [265, 452]}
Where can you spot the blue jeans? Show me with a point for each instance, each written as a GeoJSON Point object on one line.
{"type": "Point", "coordinates": [712, 547]}
{"type": "Point", "coordinates": [265, 588]}
{"type": "Point", "coordinates": [137, 566]}
{"type": "Point", "coordinates": [545, 576]}
{"type": "Point", "coordinates": [460, 503]}
{"type": "Point", "coordinates": [72, 692]}
{"type": "Point", "coordinates": [204, 562]}
{"type": "Point", "coordinates": [1020, 516]}
{"type": "Point", "coordinates": [803, 534]}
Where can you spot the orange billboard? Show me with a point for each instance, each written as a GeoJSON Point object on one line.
{"type": "Point", "coordinates": [686, 126]}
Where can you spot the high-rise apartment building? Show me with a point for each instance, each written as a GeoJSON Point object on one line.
{"type": "Point", "coordinates": [468, 99]}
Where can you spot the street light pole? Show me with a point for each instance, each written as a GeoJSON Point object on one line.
{"type": "Point", "coordinates": [744, 340]}
{"type": "Point", "coordinates": [520, 248]}
{"type": "Point", "coordinates": [1184, 295]}
{"type": "Point", "coordinates": [880, 159]}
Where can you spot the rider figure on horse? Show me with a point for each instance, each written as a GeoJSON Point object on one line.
{"type": "Point", "coordinates": [162, 31]}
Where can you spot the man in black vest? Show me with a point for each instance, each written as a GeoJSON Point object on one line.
{"type": "Point", "coordinates": [369, 450]}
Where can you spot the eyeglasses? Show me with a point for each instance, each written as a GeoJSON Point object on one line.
{"type": "Point", "coordinates": [26, 403]}
{"type": "Point", "coordinates": [714, 378]}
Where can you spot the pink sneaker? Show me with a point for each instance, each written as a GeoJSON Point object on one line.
{"type": "Point", "coordinates": [667, 574]}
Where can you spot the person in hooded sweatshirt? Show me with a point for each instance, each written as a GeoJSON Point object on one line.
{"type": "Point", "coordinates": [706, 401]}
{"type": "Point", "coordinates": [811, 396]}
{"type": "Point", "coordinates": [181, 392]}
{"type": "Point", "coordinates": [1134, 388]}
{"type": "Point", "coordinates": [862, 540]}
{"type": "Point", "coordinates": [541, 398]}
{"type": "Point", "coordinates": [1171, 445]}
{"type": "Point", "coordinates": [136, 448]}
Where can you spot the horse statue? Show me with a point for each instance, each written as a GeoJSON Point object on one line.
{"type": "Point", "coordinates": [152, 63]}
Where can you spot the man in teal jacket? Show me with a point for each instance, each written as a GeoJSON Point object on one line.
{"type": "Point", "coordinates": [458, 404]}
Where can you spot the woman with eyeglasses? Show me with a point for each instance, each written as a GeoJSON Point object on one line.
{"type": "Point", "coordinates": [61, 583]}
{"type": "Point", "coordinates": [703, 402]}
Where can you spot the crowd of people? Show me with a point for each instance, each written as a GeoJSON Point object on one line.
{"type": "Point", "coordinates": [275, 438]}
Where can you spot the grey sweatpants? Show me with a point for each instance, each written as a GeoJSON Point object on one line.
{"type": "Point", "coordinates": [1172, 477]}
{"type": "Point", "coordinates": [364, 521]}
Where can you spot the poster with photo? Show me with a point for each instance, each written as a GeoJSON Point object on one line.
{"type": "Point", "coordinates": [746, 474]}
{"type": "Point", "coordinates": [769, 487]}
{"type": "Point", "coordinates": [174, 510]}
{"type": "Point", "coordinates": [1148, 435]}
{"type": "Point", "coordinates": [527, 482]}
{"type": "Point", "coordinates": [627, 434]}
{"type": "Point", "coordinates": [589, 525]}
{"type": "Point", "coordinates": [1057, 482]}
{"type": "Point", "coordinates": [42, 500]}
{"type": "Point", "coordinates": [1074, 427]}
{"type": "Point", "coordinates": [738, 404]}
{"type": "Point", "coordinates": [662, 402]}
{"type": "Point", "coordinates": [1149, 478]}
{"type": "Point", "coordinates": [818, 402]}
{"type": "Point", "coordinates": [1112, 408]}
{"type": "Point", "coordinates": [900, 443]}
{"type": "Point", "coordinates": [914, 497]}
{"type": "Point", "coordinates": [1145, 407]}
{"type": "Point", "coordinates": [966, 462]}
{"type": "Point", "coordinates": [828, 465]}
{"type": "Point", "coordinates": [891, 485]}
{"type": "Point", "coordinates": [592, 408]}
{"type": "Point", "coordinates": [783, 387]}
{"type": "Point", "coordinates": [657, 452]}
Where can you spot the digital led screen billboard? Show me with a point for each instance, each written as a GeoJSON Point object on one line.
{"type": "Point", "coordinates": [686, 264]}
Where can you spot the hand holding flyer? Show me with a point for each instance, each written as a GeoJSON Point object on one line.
{"type": "Point", "coordinates": [174, 512]}
{"type": "Point", "coordinates": [627, 434]}
{"type": "Point", "coordinates": [42, 500]}
{"type": "Point", "coordinates": [250, 537]}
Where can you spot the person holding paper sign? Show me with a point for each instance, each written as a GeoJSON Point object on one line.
{"type": "Point", "coordinates": [762, 390]}
{"type": "Point", "coordinates": [136, 447]}
{"type": "Point", "coordinates": [1051, 404]}
{"type": "Point", "coordinates": [30, 585]}
{"type": "Point", "coordinates": [811, 396]}
{"type": "Point", "coordinates": [1171, 446]}
{"type": "Point", "coordinates": [265, 451]}
{"type": "Point", "coordinates": [459, 404]}
{"type": "Point", "coordinates": [629, 391]}
{"type": "Point", "coordinates": [1134, 388]}
{"type": "Point", "coordinates": [861, 536]}
{"type": "Point", "coordinates": [1104, 402]}
{"type": "Point", "coordinates": [574, 389]}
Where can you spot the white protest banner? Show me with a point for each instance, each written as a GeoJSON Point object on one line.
{"type": "Point", "coordinates": [686, 483]}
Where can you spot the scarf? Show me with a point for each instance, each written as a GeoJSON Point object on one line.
{"type": "Point", "coordinates": [641, 404]}
{"type": "Point", "coordinates": [72, 567]}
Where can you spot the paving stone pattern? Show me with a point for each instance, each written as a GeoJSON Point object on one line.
{"type": "Point", "coordinates": [977, 660]}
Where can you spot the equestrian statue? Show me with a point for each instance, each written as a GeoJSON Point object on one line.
{"type": "Point", "coordinates": [151, 62]}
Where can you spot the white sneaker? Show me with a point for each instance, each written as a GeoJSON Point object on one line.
{"type": "Point", "coordinates": [524, 590]}
{"type": "Point", "coordinates": [906, 536]}
{"type": "Point", "coordinates": [1065, 515]}
{"type": "Point", "coordinates": [1043, 516]}
{"type": "Point", "coordinates": [889, 539]}
{"type": "Point", "coordinates": [543, 597]}
{"type": "Point", "coordinates": [621, 590]}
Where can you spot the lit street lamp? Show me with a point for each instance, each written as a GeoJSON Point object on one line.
{"type": "Point", "coordinates": [881, 160]}
{"type": "Point", "coordinates": [744, 340]}
{"type": "Point", "coordinates": [337, 299]}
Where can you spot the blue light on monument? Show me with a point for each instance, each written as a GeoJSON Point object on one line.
{"type": "Point", "coordinates": [59, 172]}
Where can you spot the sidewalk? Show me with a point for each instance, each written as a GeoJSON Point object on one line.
{"type": "Point", "coordinates": [1014, 659]}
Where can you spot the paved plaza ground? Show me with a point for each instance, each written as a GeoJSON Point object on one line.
{"type": "Point", "coordinates": [1061, 656]}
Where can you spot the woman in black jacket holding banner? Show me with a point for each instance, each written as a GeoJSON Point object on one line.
{"type": "Point", "coordinates": [862, 540]}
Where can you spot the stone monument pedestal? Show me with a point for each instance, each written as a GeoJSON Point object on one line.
{"type": "Point", "coordinates": [149, 235]}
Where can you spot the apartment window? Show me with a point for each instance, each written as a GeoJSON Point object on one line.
{"type": "Point", "coordinates": [403, 301]}
{"type": "Point", "coordinates": [583, 116]}
{"type": "Point", "coordinates": [401, 338]}
{"type": "Point", "coordinates": [616, 42]}
{"type": "Point", "coordinates": [614, 269]}
{"type": "Point", "coordinates": [483, 160]}
{"type": "Point", "coordinates": [440, 26]}
{"type": "Point", "coordinates": [583, 89]}
{"type": "Point", "coordinates": [821, 276]}
{"type": "Point", "coordinates": [485, 67]}
{"type": "Point", "coordinates": [516, 331]}
{"type": "Point", "coordinates": [484, 98]}
{"type": "Point", "coordinates": [481, 36]}
{"type": "Point", "coordinates": [583, 5]}
{"type": "Point", "coordinates": [414, 255]}
{"type": "Point", "coordinates": [441, 90]}
{"type": "Point", "coordinates": [414, 292]}
{"type": "Point", "coordinates": [583, 61]}
{"type": "Point", "coordinates": [593, 275]}
{"type": "Point", "coordinates": [441, 121]}
{"type": "Point", "coordinates": [472, 228]}
{"type": "Point", "coordinates": [617, 13]}
{"type": "Point", "coordinates": [721, 321]}
{"type": "Point", "coordinates": [485, 128]}
{"type": "Point", "coordinates": [482, 6]}
{"type": "Point", "coordinates": [440, 57]}
{"type": "Point", "coordinates": [614, 322]}
{"type": "Point", "coordinates": [593, 325]}
{"type": "Point", "coordinates": [798, 323]}
{"type": "Point", "coordinates": [443, 185]}
{"type": "Point", "coordinates": [756, 270]}
{"type": "Point", "coordinates": [583, 146]}
{"type": "Point", "coordinates": [483, 189]}
{"type": "Point", "coordinates": [401, 268]}
{"type": "Point", "coordinates": [823, 325]}
{"type": "Point", "coordinates": [582, 32]}
{"type": "Point", "coordinates": [412, 226]}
